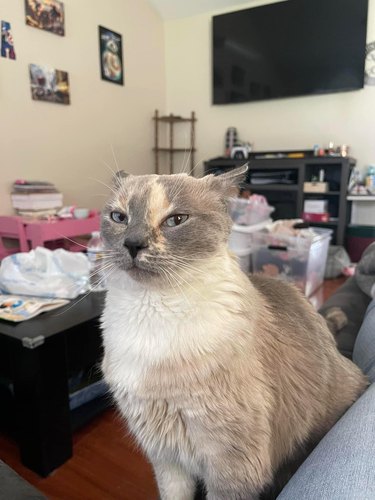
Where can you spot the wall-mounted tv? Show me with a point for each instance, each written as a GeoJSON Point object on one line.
{"type": "Point", "coordinates": [289, 48]}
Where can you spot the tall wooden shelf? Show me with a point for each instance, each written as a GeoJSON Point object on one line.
{"type": "Point", "coordinates": [171, 120]}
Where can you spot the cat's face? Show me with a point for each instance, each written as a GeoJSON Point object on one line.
{"type": "Point", "coordinates": [155, 226]}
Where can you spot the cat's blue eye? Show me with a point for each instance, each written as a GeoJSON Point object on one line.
{"type": "Point", "coordinates": [119, 217]}
{"type": "Point", "coordinates": [176, 220]}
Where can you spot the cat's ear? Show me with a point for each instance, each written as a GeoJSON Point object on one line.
{"type": "Point", "coordinates": [227, 183]}
{"type": "Point", "coordinates": [118, 177]}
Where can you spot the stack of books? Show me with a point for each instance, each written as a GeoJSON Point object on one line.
{"type": "Point", "coordinates": [36, 198]}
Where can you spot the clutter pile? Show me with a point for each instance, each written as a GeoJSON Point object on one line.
{"type": "Point", "coordinates": [35, 199]}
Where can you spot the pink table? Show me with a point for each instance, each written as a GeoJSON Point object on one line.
{"type": "Point", "coordinates": [40, 231]}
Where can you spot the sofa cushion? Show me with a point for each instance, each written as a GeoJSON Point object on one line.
{"type": "Point", "coordinates": [14, 487]}
{"type": "Point", "coordinates": [341, 467]}
{"type": "Point", "coordinates": [364, 348]}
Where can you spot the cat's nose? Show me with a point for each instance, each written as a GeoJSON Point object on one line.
{"type": "Point", "coordinates": [134, 246]}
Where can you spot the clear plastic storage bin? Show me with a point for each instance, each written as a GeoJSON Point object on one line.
{"type": "Point", "coordinates": [244, 259]}
{"type": "Point", "coordinates": [297, 259]}
{"type": "Point", "coordinates": [240, 242]}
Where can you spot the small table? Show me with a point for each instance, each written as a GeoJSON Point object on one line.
{"type": "Point", "coordinates": [40, 231]}
{"type": "Point", "coordinates": [37, 356]}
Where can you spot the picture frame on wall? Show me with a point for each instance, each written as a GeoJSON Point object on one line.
{"type": "Point", "coordinates": [49, 84]}
{"type": "Point", "coordinates": [48, 15]}
{"type": "Point", "coordinates": [6, 41]}
{"type": "Point", "coordinates": [111, 58]}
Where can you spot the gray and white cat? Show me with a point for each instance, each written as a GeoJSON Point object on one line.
{"type": "Point", "coordinates": [221, 378]}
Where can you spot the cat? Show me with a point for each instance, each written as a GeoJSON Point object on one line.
{"type": "Point", "coordinates": [222, 378]}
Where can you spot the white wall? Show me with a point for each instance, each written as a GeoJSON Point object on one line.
{"type": "Point", "coordinates": [67, 144]}
{"type": "Point", "coordinates": [293, 123]}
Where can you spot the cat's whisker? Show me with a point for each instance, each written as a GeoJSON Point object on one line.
{"type": "Point", "coordinates": [195, 166]}
{"type": "Point", "coordinates": [185, 160]}
{"type": "Point", "coordinates": [110, 270]}
{"type": "Point", "coordinates": [197, 258]}
{"type": "Point", "coordinates": [173, 190]}
{"type": "Point", "coordinates": [185, 163]}
{"type": "Point", "coordinates": [179, 286]}
{"type": "Point", "coordinates": [178, 187]}
{"type": "Point", "coordinates": [72, 241]}
{"type": "Point", "coordinates": [188, 267]}
{"type": "Point", "coordinates": [193, 257]}
{"type": "Point", "coordinates": [167, 276]}
{"type": "Point", "coordinates": [84, 295]}
{"type": "Point", "coordinates": [109, 255]}
{"type": "Point", "coordinates": [115, 159]}
{"type": "Point", "coordinates": [101, 269]}
{"type": "Point", "coordinates": [175, 273]}
{"type": "Point", "coordinates": [72, 305]}
{"type": "Point", "coordinates": [106, 164]}
{"type": "Point", "coordinates": [104, 184]}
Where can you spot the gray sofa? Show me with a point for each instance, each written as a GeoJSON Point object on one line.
{"type": "Point", "coordinates": [342, 466]}
{"type": "Point", "coordinates": [13, 487]}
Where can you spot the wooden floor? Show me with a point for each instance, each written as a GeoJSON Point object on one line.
{"type": "Point", "coordinates": [106, 464]}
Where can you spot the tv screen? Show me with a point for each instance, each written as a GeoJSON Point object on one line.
{"type": "Point", "coordinates": [290, 48]}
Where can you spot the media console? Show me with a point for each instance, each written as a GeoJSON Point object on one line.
{"type": "Point", "coordinates": [285, 190]}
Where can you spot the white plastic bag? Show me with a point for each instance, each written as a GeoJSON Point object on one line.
{"type": "Point", "coordinates": [45, 273]}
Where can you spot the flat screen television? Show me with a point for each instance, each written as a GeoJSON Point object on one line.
{"type": "Point", "coordinates": [290, 48]}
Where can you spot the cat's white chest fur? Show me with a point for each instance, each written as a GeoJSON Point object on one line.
{"type": "Point", "coordinates": [143, 329]}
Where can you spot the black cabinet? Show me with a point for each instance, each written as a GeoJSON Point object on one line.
{"type": "Point", "coordinates": [282, 180]}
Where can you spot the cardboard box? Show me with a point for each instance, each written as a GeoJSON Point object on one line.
{"type": "Point", "coordinates": [315, 187]}
{"type": "Point", "coordinates": [315, 206]}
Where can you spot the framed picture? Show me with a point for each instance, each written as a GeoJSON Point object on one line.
{"type": "Point", "coordinates": [111, 63]}
{"type": "Point", "coordinates": [6, 41]}
{"type": "Point", "coordinates": [46, 15]}
{"type": "Point", "coordinates": [48, 84]}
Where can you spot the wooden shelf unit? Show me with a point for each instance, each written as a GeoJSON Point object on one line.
{"type": "Point", "coordinates": [171, 120]}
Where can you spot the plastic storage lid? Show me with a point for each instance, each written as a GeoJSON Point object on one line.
{"type": "Point", "coordinates": [242, 252]}
{"type": "Point", "coordinates": [251, 229]}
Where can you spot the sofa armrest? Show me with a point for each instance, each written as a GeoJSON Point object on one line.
{"type": "Point", "coordinates": [341, 467]}
{"type": "Point", "coordinates": [13, 486]}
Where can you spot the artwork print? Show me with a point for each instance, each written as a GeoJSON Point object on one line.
{"type": "Point", "coordinates": [46, 15]}
{"type": "Point", "coordinates": [7, 44]}
{"type": "Point", "coordinates": [111, 63]}
{"type": "Point", "coordinates": [370, 64]}
{"type": "Point", "coordinates": [48, 84]}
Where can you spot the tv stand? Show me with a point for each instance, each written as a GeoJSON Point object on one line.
{"type": "Point", "coordinates": [287, 195]}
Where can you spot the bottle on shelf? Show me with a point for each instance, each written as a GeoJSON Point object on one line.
{"type": "Point", "coordinates": [95, 249]}
{"type": "Point", "coordinates": [370, 178]}
{"type": "Point", "coordinates": [230, 140]}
